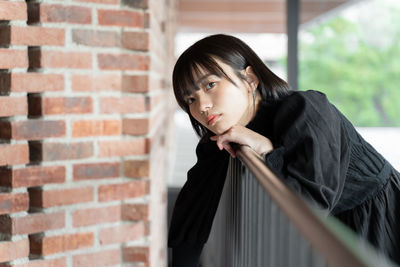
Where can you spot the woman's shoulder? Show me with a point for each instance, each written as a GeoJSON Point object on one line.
{"type": "Point", "coordinates": [308, 103]}
{"type": "Point", "coordinates": [307, 97]}
{"type": "Point", "coordinates": [298, 102]}
{"type": "Point", "coordinates": [300, 110]}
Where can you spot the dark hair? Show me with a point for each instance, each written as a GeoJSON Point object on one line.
{"type": "Point", "coordinates": [231, 51]}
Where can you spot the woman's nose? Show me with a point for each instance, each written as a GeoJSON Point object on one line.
{"type": "Point", "coordinates": [205, 104]}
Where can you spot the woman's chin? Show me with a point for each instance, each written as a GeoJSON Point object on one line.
{"type": "Point", "coordinates": [218, 130]}
{"type": "Point", "coordinates": [215, 130]}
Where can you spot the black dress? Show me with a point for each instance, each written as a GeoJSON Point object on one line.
{"type": "Point", "coordinates": [317, 153]}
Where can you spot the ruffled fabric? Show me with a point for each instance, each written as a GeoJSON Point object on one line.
{"type": "Point", "coordinates": [377, 218]}
{"type": "Point", "coordinates": [367, 174]}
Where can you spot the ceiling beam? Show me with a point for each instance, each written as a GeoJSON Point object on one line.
{"type": "Point", "coordinates": [245, 15]}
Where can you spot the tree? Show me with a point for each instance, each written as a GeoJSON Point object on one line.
{"type": "Point", "coordinates": [356, 64]}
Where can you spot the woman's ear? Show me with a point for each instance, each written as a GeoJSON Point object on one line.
{"type": "Point", "coordinates": [251, 77]}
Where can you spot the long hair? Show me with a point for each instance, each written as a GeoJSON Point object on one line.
{"type": "Point", "coordinates": [231, 51]}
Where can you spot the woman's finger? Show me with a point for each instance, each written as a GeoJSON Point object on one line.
{"type": "Point", "coordinates": [214, 138]}
{"type": "Point", "coordinates": [230, 150]}
{"type": "Point", "coordinates": [226, 137]}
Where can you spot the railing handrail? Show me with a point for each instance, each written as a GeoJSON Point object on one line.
{"type": "Point", "coordinates": [307, 222]}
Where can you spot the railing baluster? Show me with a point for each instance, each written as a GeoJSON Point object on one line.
{"type": "Point", "coordinates": [242, 218]}
{"type": "Point", "coordinates": [246, 220]}
{"type": "Point", "coordinates": [259, 222]}
{"type": "Point", "coordinates": [272, 234]}
{"type": "Point", "coordinates": [260, 228]}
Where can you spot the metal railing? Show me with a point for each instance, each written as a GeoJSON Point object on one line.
{"type": "Point", "coordinates": [261, 223]}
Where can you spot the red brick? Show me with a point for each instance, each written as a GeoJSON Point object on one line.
{"type": "Point", "coordinates": [122, 18]}
{"type": "Point", "coordinates": [13, 202]}
{"type": "Point", "coordinates": [135, 126]}
{"type": "Point", "coordinates": [96, 128]}
{"type": "Point", "coordinates": [31, 36]}
{"type": "Point", "coordinates": [96, 38]}
{"type": "Point", "coordinates": [13, 10]}
{"type": "Point", "coordinates": [136, 41]}
{"type": "Point", "coordinates": [45, 151]}
{"type": "Point", "coordinates": [122, 233]}
{"type": "Point", "coordinates": [144, 4]}
{"type": "Point", "coordinates": [122, 148]}
{"type": "Point", "coordinates": [40, 106]}
{"type": "Point", "coordinates": [39, 58]}
{"type": "Point", "coordinates": [39, 12]}
{"type": "Point", "coordinates": [136, 254]}
{"type": "Point", "coordinates": [121, 191]}
{"type": "Point", "coordinates": [96, 216]}
{"type": "Point", "coordinates": [96, 171]}
{"type": "Point", "coordinates": [31, 129]}
{"type": "Point", "coordinates": [12, 250]}
{"type": "Point", "coordinates": [127, 104]}
{"type": "Point", "coordinates": [32, 176]}
{"type": "Point", "coordinates": [102, 82]}
{"type": "Point", "coordinates": [14, 154]}
{"type": "Point", "coordinates": [11, 106]}
{"type": "Point", "coordinates": [98, 259]}
{"type": "Point", "coordinates": [12, 58]}
{"type": "Point", "coordinates": [32, 223]}
{"type": "Point", "coordinates": [135, 212]}
{"type": "Point", "coordinates": [123, 61]}
{"type": "Point", "coordinates": [135, 83]}
{"type": "Point", "coordinates": [59, 262]}
{"type": "Point", "coordinates": [51, 198]}
{"type": "Point", "coordinates": [31, 82]}
{"type": "Point", "coordinates": [110, 2]}
{"type": "Point", "coordinates": [47, 245]}
{"type": "Point", "coordinates": [136, 168]}
{"type": "Point", "coordinates": [157, 140]}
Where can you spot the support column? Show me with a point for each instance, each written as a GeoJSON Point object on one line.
{"type": "Point", "coordinates": [292, 25]}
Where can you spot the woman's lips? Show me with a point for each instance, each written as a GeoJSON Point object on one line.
{"type": "Point", "coordinates": [211, 119]}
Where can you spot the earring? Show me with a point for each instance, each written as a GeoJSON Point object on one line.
{"type": "Point", "coordinates": [254, 98]}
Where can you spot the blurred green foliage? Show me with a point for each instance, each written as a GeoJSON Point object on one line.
{"type": "Point", "coordinates": [356, 64]}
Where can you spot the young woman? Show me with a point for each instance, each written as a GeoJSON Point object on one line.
{"type": "Point", "coordinates": [232, 97]}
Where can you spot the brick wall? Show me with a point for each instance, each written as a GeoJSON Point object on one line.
{"type": "Point", "coordinates": [84, 131]}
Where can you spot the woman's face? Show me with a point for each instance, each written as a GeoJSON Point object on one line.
{"type": "Point", "coordinates": [219, 104]}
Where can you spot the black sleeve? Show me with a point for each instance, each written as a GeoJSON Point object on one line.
{"type": "Point", "coordinates": [197, 204]}
{"type": "Point", "coordinates": [312, 154]}
{"type": "Point", "coordinates": [186, 255]}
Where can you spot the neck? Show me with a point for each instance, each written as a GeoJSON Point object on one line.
{"type": "Point", "coordinates": [254, 104]}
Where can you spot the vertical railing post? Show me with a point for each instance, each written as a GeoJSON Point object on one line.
{"type": "Point", "coordinates": [261, 222]}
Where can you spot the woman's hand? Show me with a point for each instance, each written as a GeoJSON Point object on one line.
{"type": "Point", "coordinates": [243, 136]}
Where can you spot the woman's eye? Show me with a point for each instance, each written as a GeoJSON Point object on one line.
{"type": "Point", "coordinates": [190, 100]}
{"type": "Point", "coordinates": [210, 85]}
